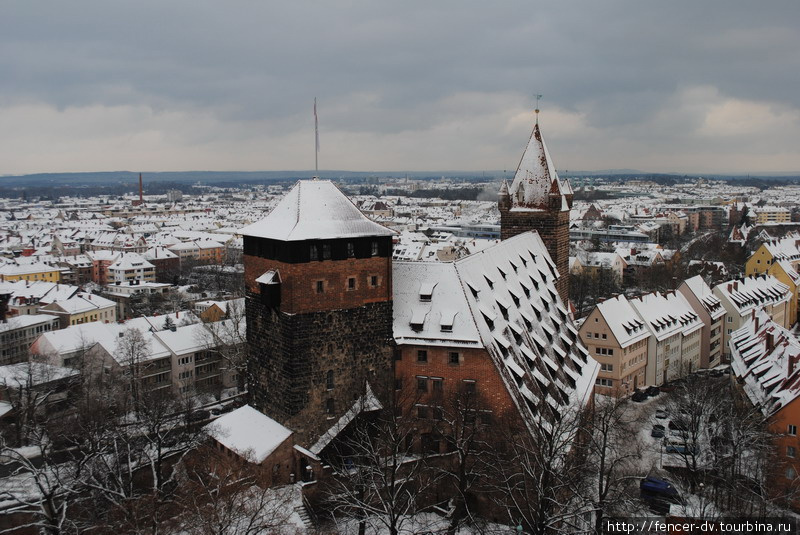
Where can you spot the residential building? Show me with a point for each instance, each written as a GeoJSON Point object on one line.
{"type": "Point", "coordinates": [17, 334]}
{"type": "Point", "coordinates": [82, 308]}
{"type": "Point", "coordinates": [674, 345]}
{"type": "Point", "coordinates": [712, 314]}
{"type": "Point", "coordinates": [617, 338]}
{"type": "Point", "coordinates": [129, 267]}
{"type": "Point", "coordinates": [37, 271]}
{"type": "Point", "coordinates": [765, 360]}
{"type": "Point", "coordinates": [740, 297]}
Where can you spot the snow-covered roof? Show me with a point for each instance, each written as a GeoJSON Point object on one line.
{"type": "Point", "coordinates": [536, 176]}
{"type": "Point", "coordinates": [667, 314]}
{"type": "Point", "coordinates": [504, 299]}
{"type": "Point", "coordinates": [766, 358]}
{"type": "Point", "coordinates": [13, 375]}
{"type": "Point", "coordinates": [622, 319]}
{"type": "Point", "coordinates": [248, 432]}
{"type": "Point", "coordinates": [185, 340]}
{"type": "Point", "coordinates": [703, 293]}
{"type": "Point", "coordinates": [315, 209]}
{"type": "Point", "coordinates": [753, 291]}
{"type": "Point", "coordinates": [365, 403]}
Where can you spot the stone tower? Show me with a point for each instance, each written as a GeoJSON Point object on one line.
{"type": "Point", "coordinates": [318, 276]}
{"type": "Point", "coordinates": [538, 200]}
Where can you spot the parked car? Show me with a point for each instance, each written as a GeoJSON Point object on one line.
{"type": "Point", "coordinates": [639, 396]}
{"type": "Point", "coordinates": [661, 414]}
{"type": "Point", "coordinates": [716, 373]}
{"type": "Point", "coordinates": [657, 431]}
{"type": "Point", "coordinates": [655, 487]}
{"type": "Point", "coordinates": [652, 391]}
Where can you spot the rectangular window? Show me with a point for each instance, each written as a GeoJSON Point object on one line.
{"type": "Point", "coordinates": [351, 283]}
{"type": "Point", "coordinates": [469, 386]}
{"type": "Point", "coordinates": [438, 384]}
{"type": "Point", "coordinates": [320, 287]}
{"type": "Point", "coordinates": [792, 430]}
{"type": "Point", "coordinates": [351, 249]}
{"type": "Point", "coordinates": [326, 251]}
{"type": "Point", "coordinates": [373, 281]}
{"type": "Point", "coordinates": [422, 355]}
{"type": "Point", "coordinates": [422, 384]}
{"type": "Point", "coordinates": [374, 248]}
{"type": "Point", "coordinates": [422, 411]}
{"type": "Point", "coordinates": [454, 358]}
{"type": "Point", "coordinates": [791, 452]}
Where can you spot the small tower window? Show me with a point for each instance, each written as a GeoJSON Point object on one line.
{"type": "Point", "coordinates": [326, 251]}
{"type": "Point", "coordinates": [351, 249]}
{"type": "Point", "coordinates": [374, 248]}
{"type": "Point", "coordinates": [329, 380]}
{"type": "Point", "coordinates": [329, 407]}
{"type": "Point", "coordinates": [313, 251]}
{"type": "Point", "coordinates": [320, 287]}
{"type": "Point", "coordinates": [351, 283]}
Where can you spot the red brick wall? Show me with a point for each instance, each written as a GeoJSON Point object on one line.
{"type": "Point", "coordinates": [475, 364]}
{"type": "Point", "coordinates": [299, 282]}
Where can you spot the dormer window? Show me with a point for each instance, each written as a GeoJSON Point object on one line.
{"type": "Point", "coordinates": [374, 248]}
{"type": "Point", "coordinates": [351, 249]}
{"type": "Point", "coordinates": [426, 292]}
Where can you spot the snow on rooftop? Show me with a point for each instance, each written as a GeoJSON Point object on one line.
{"type": "Point", "coordinates": [315, 209]}
{"type": "Point", "coordinates": [248, 432]}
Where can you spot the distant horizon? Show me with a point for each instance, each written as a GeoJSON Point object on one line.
{"type": "Point", "coordinates": [446, 173]}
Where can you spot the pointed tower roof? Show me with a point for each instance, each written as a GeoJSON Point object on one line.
{"type": "Point", "coordinates": [314, 210]}
{"type": "Point", "coordinates": [536, 177]}
{"type": "Point", "coordinates": [504, 187]}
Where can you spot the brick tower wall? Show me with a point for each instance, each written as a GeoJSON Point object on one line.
{"type": "Point", "coordinates": [296, 335]}
{"type": "Point", "coordinates": [553, 228]}
{"type": "Point", "coordinates": [290, 356]}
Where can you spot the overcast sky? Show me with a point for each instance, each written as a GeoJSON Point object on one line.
{"type": "Point", "coordinates": [665, 86]}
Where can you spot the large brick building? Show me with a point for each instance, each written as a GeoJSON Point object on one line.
{"type": "Point", "coordinates": [318, 278]}
{"type": "Point", "coordinates": [538, 200]}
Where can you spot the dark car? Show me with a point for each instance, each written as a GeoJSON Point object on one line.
{"type": "Point", "coordinates": [658, 431]}
{"type": "Point", "coordinates": [199, 415]}
{"type": "Point", "coordinates": [678, 423]}
{"type": "Point", "coordinates": [652, 391]}
{"type": "Point", "coordinates": [716, 373]}
{"type": "Point", "coordinates": [661, 414]}
{"type": "Point", "coordinates": [639, 396]}
{"type": "Point", "coordinates": [655, 487]}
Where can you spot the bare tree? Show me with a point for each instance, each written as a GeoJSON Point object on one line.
{"type": "Point", "coordinates": [132, 350]}
{"type": "Point", "coordinates": [540, 476]}
{"type": "Point", "coordinates": [227, 339]}
{"type": "Point", "coordinates": [464, 420]}
{"type": "Point", "coordinates": [224, 495]}
{"type": "Point", "coordinates": [378, 476]}
{"type": "Point", "coordinates": [611, 455]}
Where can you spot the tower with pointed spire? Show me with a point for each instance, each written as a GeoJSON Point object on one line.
{"type": "Point", "coordinates": [538, 200]}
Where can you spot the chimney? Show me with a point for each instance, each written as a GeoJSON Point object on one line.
{"type": "Point", "coordinates": [770, 341]}
{"type": "Point", "coordinates": [177, 314]}
{"type": "Point", "coordinates": [141, 199]}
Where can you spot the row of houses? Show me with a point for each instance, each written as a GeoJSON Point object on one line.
{"type": "Point", "coordinates": [656, 338]}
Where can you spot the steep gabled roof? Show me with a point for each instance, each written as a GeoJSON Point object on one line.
{"type": "Point", "coordinates": [536, 177]}
{"type": "Point", "coordinates": [504, 299]}
{"type": "Point", "coordinates": [312, 210]}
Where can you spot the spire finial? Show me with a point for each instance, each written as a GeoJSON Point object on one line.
{"type": "Point", "coordinates": [538, 97]}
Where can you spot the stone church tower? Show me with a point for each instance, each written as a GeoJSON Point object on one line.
{"type": "Point", "coordinates": [538, 200]}
{"type": "Point", "coordinates": [318, 276]}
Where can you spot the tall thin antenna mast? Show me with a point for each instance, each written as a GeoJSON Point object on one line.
{"type": "Point", "coordinates": [538, 97]}
{"type": "Point", "coordinates": [316, 140]}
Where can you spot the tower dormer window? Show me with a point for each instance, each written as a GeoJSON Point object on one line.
{"type": "Point", "coordinates": [351, 249]}
{"type": "Point", "coordinates": [326, 251]}
{"type": "Point", "coordinates": [374, 248]}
